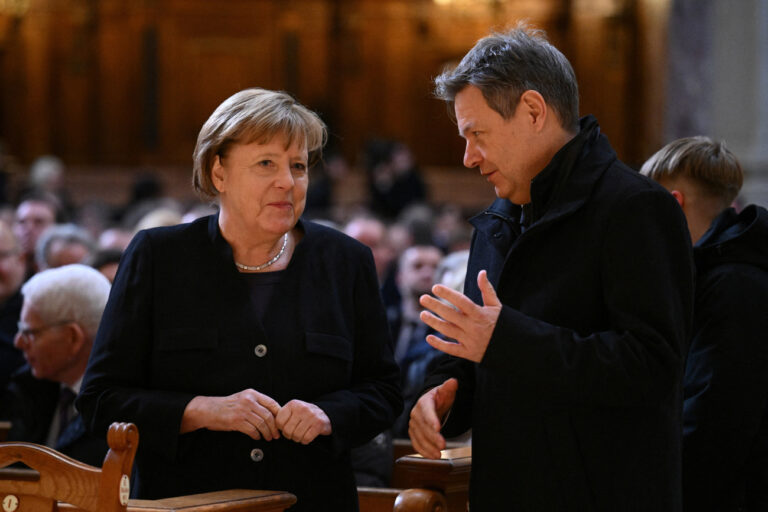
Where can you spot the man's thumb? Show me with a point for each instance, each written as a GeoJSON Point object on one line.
{"type": "Point", "coordinates": [446, 394]}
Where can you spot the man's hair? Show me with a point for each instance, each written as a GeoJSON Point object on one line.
{"type": "Point", "coordinates": [51, 201]}
{"type": "Point", "coordinates": [505, 65]}
{"type": "Point", "coordinates": [72, 293]}
{"type": "Point", "coordinates": [253, 115]}
{"type": "Point", "coordinates": [67, 233]}
{"type": "Point", "coordinates": [709, 164]}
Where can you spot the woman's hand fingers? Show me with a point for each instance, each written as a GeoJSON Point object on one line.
{"type": "Point", "coordinates": [302, 422]}
{"type": "Point", "coordinates": [261, 417]}
{"type": "Point", "coordinates": [248, 411]}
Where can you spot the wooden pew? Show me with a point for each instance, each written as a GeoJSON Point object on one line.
{"type": "Point", "coordinates": [376, 499]}
{"type": "Point", "coordinates": [423, 485]}
{"type": "Point", "coordinates": [53, 481]}
{"type": "Point", "coordinates": [235, 500]}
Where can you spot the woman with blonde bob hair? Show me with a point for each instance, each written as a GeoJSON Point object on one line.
{"type": "Point", "coordinates": [250, 347]}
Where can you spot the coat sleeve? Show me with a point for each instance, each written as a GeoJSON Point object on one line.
{"type": "Point", "coordinates": [725, 382]}
{"type": "Point", "coordinates": [373, 401]}
{"type": "Point", "coordinates": [116, 386]}
{"type": "Point", "coordinates": [646, 285]}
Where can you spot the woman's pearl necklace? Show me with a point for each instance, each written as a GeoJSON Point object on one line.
{"type": "Point", "coordinates": [267, 264]}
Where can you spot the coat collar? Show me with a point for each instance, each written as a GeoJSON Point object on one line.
{"type": "Point", "coordinates": [563, 186]}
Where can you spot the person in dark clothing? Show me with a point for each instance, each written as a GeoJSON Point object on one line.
{"type": "Point", "coordinates": [725, 414]}
{"type": "Point", "coordinates": [12, 271]}
{"type": "Point", "coordinates": [61, 314]}
{"type": "Point", "coordinates": [569, 340]}
{"type": "Point", "coordinates": [394, 179]}
{"type": "Point", "coordinates": [415, 276]}
{"type": "Point", "coordinates": [249, 347]}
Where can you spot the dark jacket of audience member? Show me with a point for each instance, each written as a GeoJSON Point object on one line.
{"type": "Point", "coordinates": [30, 404]}
{"type": "Point", "coordinates": [725, 450]}
{"type": "Point", "coordinates": [11, 358]}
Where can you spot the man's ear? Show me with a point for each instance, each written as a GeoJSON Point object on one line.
{"type": "Point", "coordinates": [679, 197]}
{"type": "Point", "coordinates": [535, 108]}
{"type": "Point", "coordinates": [75, 337]}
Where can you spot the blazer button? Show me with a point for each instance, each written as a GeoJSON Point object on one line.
{"type": "Point", "coordinates": [257, 455]}
{"type": "Point", "coordinates": [260, 350]}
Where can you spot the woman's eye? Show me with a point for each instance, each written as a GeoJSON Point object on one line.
{"type": "Point", "coordinates": [265, 163]}
{"type": "Point", "coordinates": [300, 167]}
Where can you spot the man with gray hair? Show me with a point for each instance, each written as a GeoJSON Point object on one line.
{"type": "Point", "coordinates": [569, 340]}
{"type": "Point", "coordinates": [59, 318]}
{"type": "Point", "coordinates": [63, 244]}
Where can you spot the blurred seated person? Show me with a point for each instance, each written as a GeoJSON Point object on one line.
{"type": "Point", "coordinates": [47, 176]}
{"type": "Point", "coordinates": [249, 347]}
{"type": "Point", "coordinates": [106, 262]}
{"type": "Point", "coordinates": [372, 232]}
{"type": "Point", "coordinates": [34, 214]}
{"type": "Point", "coordinates": [59, 319]}
{"type": "Point", "coordinates": [159, 217]}
{"type": "Point", "coordinates": [115, 238]}
{"type": "Point", "coordinates": [12, 269]}
{"type": "Point", "coordinates": [325, 174]}
{"type": "Point", "coordinates": [63, 244]}
{"type": "Point", "coordinates": [375, 234]}
{"type": "Point", "coordinates": [725, 384]}
{"type": "Point", "coordinates": [415, 277]}
{"type": "Point", "coordinates": [394, 179]}
{"type": "Point", "coordinates": [198, 210]}
{"type": "Point", "coordinates": [452, 270]}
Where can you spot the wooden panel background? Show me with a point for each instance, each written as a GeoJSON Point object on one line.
{"type": "Point", "coordinates": [124, 85]}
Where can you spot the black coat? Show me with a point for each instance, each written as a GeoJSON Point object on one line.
{"type": "Point", "coordinates": [576, 404]}
{"type": "Point", "coordinates": [30, 404]}
{"type": "Point", "coordinates": [11, 358]}
{"type": "Point", "coordinates": [179, 323]}
{"type": "Point", "coordinates": [725, 437]}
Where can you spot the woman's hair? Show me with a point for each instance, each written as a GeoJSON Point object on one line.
{"type": "Point", "coordinates": [707, 163]}
{"type": "Point", "coordinates": [254, 115]}
{"type": "Point", "coordinates": [72, 293]}
{"type": "Point", "coordinates": [505, 65]}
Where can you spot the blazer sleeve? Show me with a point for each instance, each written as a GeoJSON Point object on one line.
{"type": "Point", "coordinates": [646, 284]}
{"type": "Point", "coordinates": [374, 400]}
{"type": "Point", "coordinates": [116, 385]}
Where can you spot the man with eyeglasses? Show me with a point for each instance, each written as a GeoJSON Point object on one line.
{"type": "Point", "coordinates": [59, 318]}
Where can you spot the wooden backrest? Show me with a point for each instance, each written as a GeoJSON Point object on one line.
{"type": "Point", "coordinates": [376, 499]}
{"type": "Point", "coordinates": [61, 478]}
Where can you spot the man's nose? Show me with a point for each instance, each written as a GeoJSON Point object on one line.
{"type": "Point", "coordinates": [472, 157]}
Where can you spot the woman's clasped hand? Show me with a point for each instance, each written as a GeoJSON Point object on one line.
{"type": "Point", "coordinates": [258, 416]}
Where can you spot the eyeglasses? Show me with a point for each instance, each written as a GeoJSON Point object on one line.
{"type": "Point", "coordinates": [29, 335]}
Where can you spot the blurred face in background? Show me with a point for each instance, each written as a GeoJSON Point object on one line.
{"type": "Point", "coordinates": [373, 233]}
{"type": "Point", "coordinates": [12, 265]}
{"type": "Point", "coordinates": [32, 218]}
{"type": "Point", "coordinates": [416, 272]}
